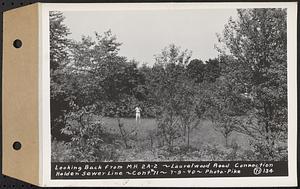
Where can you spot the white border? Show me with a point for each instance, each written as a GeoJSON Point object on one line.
{"type": "Point", "coordinates": [45, 138]}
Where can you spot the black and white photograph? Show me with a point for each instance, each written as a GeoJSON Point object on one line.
{"type": "Point", "coordinates": [169, 85]}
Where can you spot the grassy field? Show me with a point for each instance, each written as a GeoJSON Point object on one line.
{"type": "Point", "coordinates": [143, 128]}
{"type": "Point", "coordinates": [144, 144]}
{"type": "Point", "coordinates": [202, 134]}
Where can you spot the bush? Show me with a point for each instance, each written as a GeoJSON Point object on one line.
{"type": "Point", "coordinates": [60, 152]}
{"type": "Point", "coordinates": [90, 142]}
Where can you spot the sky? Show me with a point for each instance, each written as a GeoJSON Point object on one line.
{"type": "Point", "coordinates": [145, 33]}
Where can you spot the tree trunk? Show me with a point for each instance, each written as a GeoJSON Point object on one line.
{"type": "Point", "coordinates": [226, 141]}
{"type": "Point", "coordinates": [188, 138]}
{"type": "Point", "coordinates": [123, 134]}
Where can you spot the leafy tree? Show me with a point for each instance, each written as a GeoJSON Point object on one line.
{"type": "Point", "coordinates": [163, 91]}
{"type": "Point", "coordinates": [196, 70]}
{"type": "Point", "coordinates": [212, 70]}
{"type": "Point", "coordinates": [257, 43]}
{"type": "Point", "coordinates": [102, 75]}
{"type": "Point", "coordinates": [185, 107]}
{"type": "Point", "coordinates": [59, 57]}
{"type": "Point", "coordinates": [173, 54]}
{"type": "Point", "coordinates": [143, 91]}
{"type": "Point", "coordinates": [172, 93]}
{"type": "Point", "coordinates": [58, 40]}
{"type": "Point", "coordinates": [105, 79]}
{"type": "Point", "coordinates": [90, 142]}
{"type": "Point", "coordinates": [200, 71]}
{"type": "Point", "coordinates": [226, 107]}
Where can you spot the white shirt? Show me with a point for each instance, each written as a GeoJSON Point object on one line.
{"type": "Point", "coordinates": [137, 110]}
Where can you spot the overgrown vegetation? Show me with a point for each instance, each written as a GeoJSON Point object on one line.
{"type": "Point", "coordinates": [242, 93]}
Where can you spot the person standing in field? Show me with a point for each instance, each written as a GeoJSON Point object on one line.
{"type": "Point", "coordinates": [138, 114]}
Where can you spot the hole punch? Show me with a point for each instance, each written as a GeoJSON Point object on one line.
{"type": "Point", "coordinates": [17, 43]}
{"type": "Point", "coordinates": [17, 145]}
